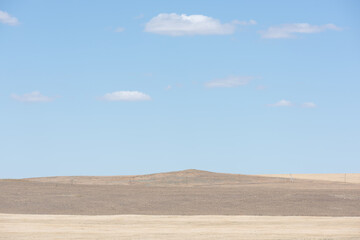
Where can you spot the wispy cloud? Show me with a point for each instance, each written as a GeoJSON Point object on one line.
{"type": "Point", "coordinates": [261, 87]}
{"type": "Point", "coordinates": [6, 18]}
{"type": "Point", "coordinates": [32, 97]}
{"type": "Point", "coordinates": [229, 82]}
{"type": "Point", "coordinates": [119, 29]}
{"type": "Point", "coordinates": [245, 23]}
{"type": "Point", "coordinates": [173, 24]}
{"type": "Point", "coordinates": [148, 74]}
{"type": "Point", "coordinates": [126, 96]}
{"type": "Point", "coordinates": [140, 16]}
{"type": "Point", "coordinates": [281, 103]}
{"type": "Point", "coordinates": [290, 30]}
{"type": "Point", "coordinates": [308, 105]}
{"type": "Point", "coordinates": [177, 85]}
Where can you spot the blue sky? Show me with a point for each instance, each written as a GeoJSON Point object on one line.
{"type": "Point", "coordinates": [134, 87]}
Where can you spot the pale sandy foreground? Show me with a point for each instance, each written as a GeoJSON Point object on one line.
{"type": "Point", "coordinates": [17, 226]}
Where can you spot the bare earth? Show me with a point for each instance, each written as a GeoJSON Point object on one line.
{"type": "Point", "coordinates": [44, 227]}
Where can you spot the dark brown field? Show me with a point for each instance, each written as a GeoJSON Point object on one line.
{"type": "Point", "coordinates": [188, 192]}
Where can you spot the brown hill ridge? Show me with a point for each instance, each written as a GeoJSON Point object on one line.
{"type": "Point", "coordinates": [189, 177]}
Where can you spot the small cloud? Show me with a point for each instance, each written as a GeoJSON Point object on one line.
{"type": "Point", "coordinates": [290, 30]}
{"type": "Point", "coordinates": [173, 24]}
{"type": "Point", "coordinates": [6, 18]}
{"type": "Point", "coordinates": [140, 16]}
{"type": "Point", "coordinates": [126, 96]}
{"type": "Point", "coordinates": [261, 87]}
{"type": "Point", "coordinates": [245, 23]}
{"type": "Point", "coordinates": [228, 82]}
{"type": "Point", "coordinates": [32, 97]}
{"type": "Point", "coordinates": [281, 103]}
{"type": "Point", "coordinates": [308, 105]}
{"type": "Point", "coordinates": [176, 85]}
{"type": "Point", "coordinates": [119, 29]}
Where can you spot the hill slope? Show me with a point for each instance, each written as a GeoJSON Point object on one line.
{"type": "Point", "coordinates": [191, 177]}
{"type": "Point", "coordinates": [188, 192]}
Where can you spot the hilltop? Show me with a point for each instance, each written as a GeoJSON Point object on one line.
{"type": "Point", "coordinates": [189, 177]}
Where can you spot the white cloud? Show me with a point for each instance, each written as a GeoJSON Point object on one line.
{"type": "Point", "coordinates": [281, 103]}
{"type": "Point", "coordinates": [126, 96]}
{"type": "Point", "coordinates": [245, 23]}
{"type": "Point", "coordinates": [229, 82]}
{"type": "Point", "coordinates": [8, 19]}
{"type": "Point", "coordinates": [32, 97]}
{"type": "Point", "coordinates": [290, 30]}
{"type": "Point", "coordinates": [308, 105]}
{"type": "Point", "coordinates": [178, 25]}
{"type": "Point", "coordinates": [119, 29]}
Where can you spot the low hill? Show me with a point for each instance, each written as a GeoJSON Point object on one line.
{"type": "Point", "coordinates": [191, 177]}
{"type": "Point", "coordinates": [189, 192]}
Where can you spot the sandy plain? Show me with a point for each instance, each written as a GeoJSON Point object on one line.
{"type": "Point", "coordinates": [41, 227]}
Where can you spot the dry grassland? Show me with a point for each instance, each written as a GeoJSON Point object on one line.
{"type": "Point", "coordinates": [190, 192]}
{"type": "Point", "coordinates": [334, 177]}
{"type": "Point", "coordinates": [41, 227]}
